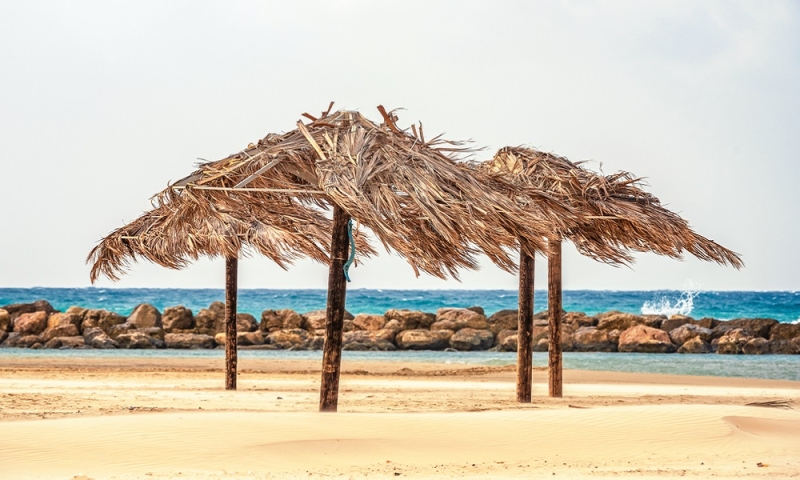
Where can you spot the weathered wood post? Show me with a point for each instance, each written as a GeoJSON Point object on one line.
{"type": "Point", "coordinates": [525, 327]}
{"type": "Point", "coordinates": [554, 317]}
{"type": "Point", "coordinates": [334, 322]}
{"type": "Point", "coordinates": [231, 273]}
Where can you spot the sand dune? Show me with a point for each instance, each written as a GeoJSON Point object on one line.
{"type": "Point", "coordinates": [103, 422]}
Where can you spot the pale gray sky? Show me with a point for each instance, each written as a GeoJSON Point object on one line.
{"type": "Point", "coordinates": [102, 103]}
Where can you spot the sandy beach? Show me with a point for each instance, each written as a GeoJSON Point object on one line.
{"type": "Point", "coordinates": [170, 418]}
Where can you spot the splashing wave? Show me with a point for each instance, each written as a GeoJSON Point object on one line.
{"type": "Point", "coordinates": [664, 306]}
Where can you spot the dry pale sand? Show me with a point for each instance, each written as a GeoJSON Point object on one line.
{"type": "Point", "coordinates": [157, 418]}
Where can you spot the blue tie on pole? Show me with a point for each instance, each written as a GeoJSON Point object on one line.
{"type": "Point", "coordinates": [352, 256]}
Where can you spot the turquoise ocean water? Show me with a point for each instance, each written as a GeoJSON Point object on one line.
{"type": "Point", "coordinates": [783, 306]}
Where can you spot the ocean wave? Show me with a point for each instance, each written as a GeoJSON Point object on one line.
{"type": "Point", "coordinates": [796, 322]}
{"type": "Point", "coordinates": [683, 305]}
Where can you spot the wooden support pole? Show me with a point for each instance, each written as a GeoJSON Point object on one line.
{"type": "Point", "coordinates": [231, 273]}
{"type": "Point", "coordinates": [554, 318]}
{"type": "Point", "coordinates": [525, 328]}
{"type": "Point", "coordinates": [334, 322]}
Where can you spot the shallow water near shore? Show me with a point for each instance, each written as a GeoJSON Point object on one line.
{"type": "Point", "coordinates": [773, 367]}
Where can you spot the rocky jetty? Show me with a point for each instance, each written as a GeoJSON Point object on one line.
{"type": "Point", "coordinates": [39, 325]}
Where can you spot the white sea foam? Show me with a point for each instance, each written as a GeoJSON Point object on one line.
{"type": "Point", "coordinates": [796, 322]}
{"type": "Point", "coordinates": [683, 305]}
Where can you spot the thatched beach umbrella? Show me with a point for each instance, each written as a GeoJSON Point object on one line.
{"type": "Point", "coordinates": [406, 189]}
{"type": "Point", "coordinates": [618, 216]}
{"type": "Point", "coordinates": [185, 228]}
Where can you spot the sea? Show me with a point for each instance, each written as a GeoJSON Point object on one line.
{"type": "Point", "coordinates": [783, 306]}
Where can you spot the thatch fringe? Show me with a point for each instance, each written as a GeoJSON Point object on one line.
{"type": "Point", "coordinates": [185, 228]}
{"type": "Point", "coordinates": [618, 214]}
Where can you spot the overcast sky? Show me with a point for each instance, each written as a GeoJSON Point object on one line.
{"type": "Point", "coordinates": [103, 103]}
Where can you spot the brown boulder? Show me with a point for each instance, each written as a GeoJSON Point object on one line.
{"type": "Point", "coordinates": [367, 340]}
{"type": "Point", "coordinates": [97, 338]}
{"type": "Point", "coordinates": [567, 342]}
{"type": "Point", "coordinates": [457, 318]}
{"type": "Point", "coordinates": [540, 330]}
{"type": "Point", "coordinates": [6, 339]}
{"type": "Point", "coordinates": [508, 343]}
{"type": "Point", "coordinates": [756, 346]}
{"type": "Point", "coordinates": [178, 318]}
{"type": "Point", "coordinates": [393, 325]}
{"type": "Point", "coordinates": [68, 330]}
{"type": "Point", "coordinates": [643, 339]}
{"type": "Point", "coordinates": [542, 345]}
{"type": "Point", "coordinates": [613, 336]}
{"type": "Point", "coordinates": [316, 342]}
{"type": "Point", "coordinates": [503, 320]}
{"type": "Point", "coordinates": [154, 332]}
{"type": "Point", "coordinates": [250, 338]}
{"type": "Point", "coordinates": [270, 321]}
{"type": "Point", "coordinates": [296, 338]}
{"type": "Point", "coordinates": [23, 341]}
{"type": "Point", "coordinates": [757, 327]}
{"type": "Point", "coordinates": [102, 319]}
{"type": "Point", "coordinates": [732, 341]}
{"type": "Point", "coordinates": [77, 311]}
{"type": "Point", "coordinates": [316, 320]}
{"type": "Point", "coordinates": [781, 347]}
{"type": "Point", "coordinates": [675, 321]}
{"type": "Point", "coordinates": [65, 342]}
{"type": "Point", "coordinates": [784, 331]}
{"type": "Point", "coordinates": [468, 339]}
{"type": "Point", "coordinates": [707, 322]}
{"type": "Point", "coordinates": [372, 323]}
{"type": "Point", "coordinates": [721, 329]}
{"type": "Point", "coordinates": [273, 320]}
{"type": "Point", "coordinates": [118, 330]}
{"type": "Point", "coordinates": [591, 339]}
{"type": "Point", "coordinates": [124, 328]}
{"type": "Point", "coordinates": [211, 320]}
{"type": "Point", "coordinates": [5, 321]}
{"type": "Point", "coordinates": [410, 319]}
{"type": "Point", "coordinates": [243, 339]}
{"type": "Point", "coordinates": [616, 320]}
{"type": "Point", "coordinates": [424, 339]}
{"type": "Point", "coordinates": [137, 339]}
{"type": "Point", "coordinates": [502, 335]}
{"type": "Point", "coordinates": [579, 319]}
{"type": "Point", "coordinates": [31, 323]}
{"type": "Point", "coordinates": [246, 323]}
{"type": "Point", "coordinates": [60, 319]}
{"type": "Point", "coordinates": [16, 309]}
{"type": "Point", "coordinates": [145, 316]}
{"type": "Point", "coordinates": [388, 334]}
{"type": "Point", "coordinates": [682, 334]}
{"type": "Point", "coordinates": [695, 345]}
{"type": "Point", "coordinates": [189, 341]}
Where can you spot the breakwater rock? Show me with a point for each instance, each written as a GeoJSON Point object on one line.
{"type": "Point", "coordinates": [39, 325]}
